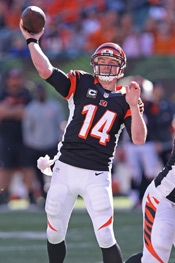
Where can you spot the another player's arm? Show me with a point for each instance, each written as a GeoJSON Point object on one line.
{"type": "Point", "coordinates": [138, 126]}
{"type": "Point", "coordinates": [39, 59]}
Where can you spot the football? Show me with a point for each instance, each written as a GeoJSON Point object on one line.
{"type": "Point", "coordinates": [33, 19]}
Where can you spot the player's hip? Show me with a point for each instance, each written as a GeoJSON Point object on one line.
{"type": "Point", "coordinates": [78, 179]}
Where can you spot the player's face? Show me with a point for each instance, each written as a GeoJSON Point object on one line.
{"type": "Point", "coordinates": [108, 66]}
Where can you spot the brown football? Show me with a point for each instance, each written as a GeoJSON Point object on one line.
{"type": "Point", "coordinates": [33, 19]}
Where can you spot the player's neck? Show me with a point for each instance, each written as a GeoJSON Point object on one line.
{"type": "Point", "coordinates": [108, 85]}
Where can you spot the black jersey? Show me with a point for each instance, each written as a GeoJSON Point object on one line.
{"type": "Point", "coordinates": [95, 122]}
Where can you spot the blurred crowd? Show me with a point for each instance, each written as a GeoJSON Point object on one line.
{"type": "Point", "coordinates": [142, 28]}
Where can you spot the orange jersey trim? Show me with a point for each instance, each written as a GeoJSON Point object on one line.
{"type": "Point", "coordinates": [128, 113]}
{"type": "Point", "coordinates": [73, 80]}
{"type": "Point", "coordinates": [119, 88]}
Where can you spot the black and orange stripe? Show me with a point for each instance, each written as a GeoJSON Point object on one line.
{"type": "Point", "coordinates": [150, 212]}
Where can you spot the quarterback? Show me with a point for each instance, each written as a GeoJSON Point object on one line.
{"type": "Point", "coordinates": [98, 111]}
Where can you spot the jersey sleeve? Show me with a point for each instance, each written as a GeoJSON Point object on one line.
{"type": "Point", "coordinates": [64, 83]}
{"type": "Point", "coordinates": [60, 81]}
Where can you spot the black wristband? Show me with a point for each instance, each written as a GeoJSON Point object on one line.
{"type": "Point", "coordinates": [29, 40]}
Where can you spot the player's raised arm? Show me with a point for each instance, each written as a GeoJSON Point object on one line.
{"type": "Point", "coordinates": [138, 126]}
{"type": "Point", "coordinates": [40, 61]}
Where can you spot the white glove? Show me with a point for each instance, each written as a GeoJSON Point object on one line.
{"type": "Point", "coordinates": [44, 163]}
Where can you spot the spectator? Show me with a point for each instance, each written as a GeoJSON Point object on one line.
{"type": "Point", "coordinates": [126, 24]}
{"type": "Point", "coordinates": [132, 45]}
{"type": "Point", "coordinates": [18, 48]}
{"type": "Point", "coordinates": [159, 113]}
{"type": "Point", "coordinates": [13, 15]}
{"type": "Point", "coordinates": [104, 32]}
{"type": "Point", "coordinates": [147, 37]}
{"type": "Point", "coordinates": [13, 100]}
{"type": "Point", "coordinates": [3, 10]}
{"type": "Point", "coordinates": [164, 39]}
{"type": "Point", "coordinates": [42, 121]}
{"type": "Point", "coordinates": [68, 10]}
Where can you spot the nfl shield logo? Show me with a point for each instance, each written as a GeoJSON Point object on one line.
{"type": "Point", "coordinates": [105, 95]}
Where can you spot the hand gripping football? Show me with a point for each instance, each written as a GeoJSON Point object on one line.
{"type": "Point", "coordinates": [33, 19]}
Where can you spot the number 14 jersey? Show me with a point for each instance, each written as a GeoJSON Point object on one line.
{"type": "Point", "coordinates": [96, 119]}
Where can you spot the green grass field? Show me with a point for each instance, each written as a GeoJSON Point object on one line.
{"type": "Point", "coordinates": [23, 238]}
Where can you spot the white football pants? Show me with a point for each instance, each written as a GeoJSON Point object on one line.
{"type": "Point", "coordinates": [94, 187]}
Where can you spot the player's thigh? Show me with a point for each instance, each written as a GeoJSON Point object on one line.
{"type": "Point", "coordinates": [59, 197]}
{"type": "Point", "coordinates": [159, 228]}
{"type": "Point", "coordinates": [99, 203]}
{"type": "Point", "coordinates": [59, 204]}
{"type": "Point", "coordinates": [98, 193]}
{"type": "Point", "coordinates": [164, 227]}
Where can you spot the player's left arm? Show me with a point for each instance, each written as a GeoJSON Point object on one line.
{"type": "Point", "coordinates": [138, 126]}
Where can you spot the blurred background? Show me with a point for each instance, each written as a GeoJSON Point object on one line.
{"type": "Point", "coordinates": [145, 30]}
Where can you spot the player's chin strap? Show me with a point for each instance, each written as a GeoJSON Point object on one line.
{"type": "Point", "coordinates": [44, 164]}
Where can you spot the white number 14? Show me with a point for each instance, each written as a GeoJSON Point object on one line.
{"type": "Point", "coordinates": [101, 129]}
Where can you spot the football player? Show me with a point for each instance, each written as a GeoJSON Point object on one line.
{"type": "Point", "coordinates": [99, 110]}
{"type": "Point", "coordinates": [159, 217]}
